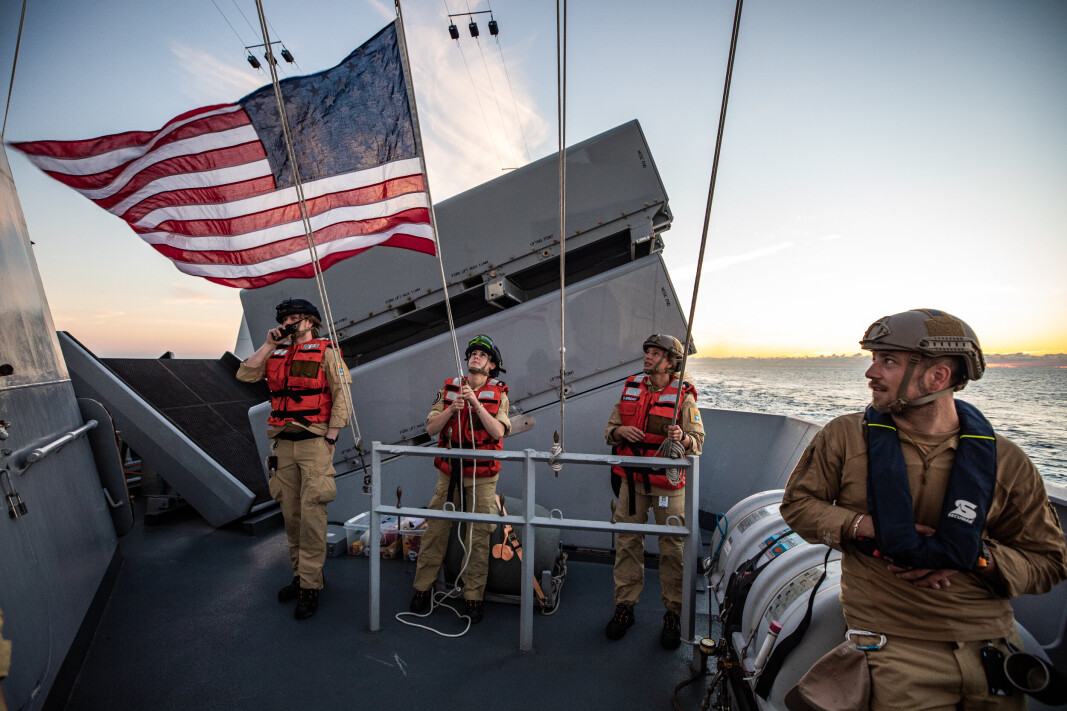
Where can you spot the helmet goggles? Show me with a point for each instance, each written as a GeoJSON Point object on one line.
{"type": "Point", "coordinates": [485, 344]}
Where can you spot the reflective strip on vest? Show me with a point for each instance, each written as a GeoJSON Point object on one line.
{"type": "Point", "coordinates": [642, 403]}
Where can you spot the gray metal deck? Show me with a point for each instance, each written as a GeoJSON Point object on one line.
{"type": "Point", "coordinates": [193, 623]}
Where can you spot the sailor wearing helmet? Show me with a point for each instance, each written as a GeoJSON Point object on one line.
{"type": "Point", "coordinates": [468, 413]}
{"type": "Point", "coordinates": [940, 520]}
{"type": "Point", "coordinates": [307, 377]}
{"type": "Point", "coordinates": [639, 425]}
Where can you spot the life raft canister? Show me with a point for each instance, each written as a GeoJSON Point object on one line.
{"type": "Point", "coordinates": [299, 391]}
{"type": "Point", "coordinates": [651, 413]}
{"type": "Point", "coordinates": [971, 484]}
{"type": "Point", "coordinates": [457, 434]}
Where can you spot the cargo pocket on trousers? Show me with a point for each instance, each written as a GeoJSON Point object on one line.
{"type": "Point", "coordinates": [274, 488]}
{"type": "Point", "coordinates": [322, 489]}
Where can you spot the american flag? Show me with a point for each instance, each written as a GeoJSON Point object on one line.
{"type": "Point", "coordinates": [212, 190]}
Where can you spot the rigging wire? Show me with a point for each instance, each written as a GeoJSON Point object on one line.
{"type": "Point", "coordinates": [514, 104]}
{"type": "Point", "coordinates": [673, 448]}
{"type": "Point", "coordinates": [478, 97]}
{"type": "Point", "coordinates": [561, 114]}
{"type": "Point", "coordinates": [242, 14]}
{"type": "Point", "coordinates": [402, 39]}
{"type": "Point", "coordinates": [353, 422]}
{"type": "Point", "coordinates": [270, 59]}
{"type": "Point", "coordinates": [11, 85]}
{"type": "Point", "coordinates": [496, 99]}
{"type": "Point", "coordinates": [711, 194]}
{"type": "Point", "coordinates": [227, 20]}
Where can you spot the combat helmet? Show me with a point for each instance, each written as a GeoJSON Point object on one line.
{"type": "Point", "coordinates": [926, 332]}
{"type": "Point", "coordinates": [665, 342]}
{"type": "Point", "coordinates": [295, 306]}
{"type": "Point", "coordinates": [485, 344]}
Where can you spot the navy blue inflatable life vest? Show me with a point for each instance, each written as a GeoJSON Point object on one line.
{"type": "Point", "coordinates": [958, 540]}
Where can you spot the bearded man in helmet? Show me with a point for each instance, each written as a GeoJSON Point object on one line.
{"type": "Point", "coordinates": [939, 520]}
{"type": "Point", "coordinates": [307, 378]}
{"type": "Point", "coordinates": [468, 413]}
{"type": "Point", "coordinates": [639, 425]}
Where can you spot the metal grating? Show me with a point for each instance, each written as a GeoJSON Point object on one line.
{"type": "Point", "coordinates": [204, 400]}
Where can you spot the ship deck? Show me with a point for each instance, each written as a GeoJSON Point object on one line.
{"type": "Point", "coordinates": [193, 622]}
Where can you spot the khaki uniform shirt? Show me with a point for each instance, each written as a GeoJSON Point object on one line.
{"type": "Point", "coordinates": [828, 488]}
{"type": "Point", "coordinates": [338, 383]}
{"type": "Point", "coordinates": [688, 419]}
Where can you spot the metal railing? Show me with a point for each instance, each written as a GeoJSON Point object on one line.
{"type": "Point", "coordinates": [528, 520]}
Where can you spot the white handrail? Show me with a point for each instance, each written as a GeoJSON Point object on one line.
{"type": "Point", "coordinates": [528, 520]}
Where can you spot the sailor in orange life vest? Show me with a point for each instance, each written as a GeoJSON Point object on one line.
{"type": "Point", "coordinates": [939, 520]}
{"type": "Point", "coordinates": [306, 376]}
{"type": "Point", "coordinates": [481, 401]}
{"type": "Point", "coordinates": [639, 424]}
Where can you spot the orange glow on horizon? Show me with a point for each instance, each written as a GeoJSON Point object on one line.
{"type": "Point", "coordinates": [1053, 346]}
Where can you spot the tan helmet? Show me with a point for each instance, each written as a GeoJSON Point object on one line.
{"type": "Point", "coordinates": [929, 332]}
{"type": "Point", "coordinates": [664, 342]}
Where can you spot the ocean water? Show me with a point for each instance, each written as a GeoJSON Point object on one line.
{"type": "Point", "coordinates": [1027, 405]}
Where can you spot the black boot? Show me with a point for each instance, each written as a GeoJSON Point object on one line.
{"type": "Point", "coordinates": [474, 609]}
{"type": "Point", "coordinates": [421, 602]}
{"type": "Point", "coordinates": [671, 636]}
{"type": "Point", "coordinates": [308, 603]}
{"type": "Point", "coordinates": [290, 591]}
{"type": "Point", "coordinates": [622, 620]}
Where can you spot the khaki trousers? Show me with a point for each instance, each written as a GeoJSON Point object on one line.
{"type": "Point", "coordinates": [435, 540]}
{"type": "Point", "coordinates": [630, 549]}
{"type": "Point", "coordinates": [917, 675]}
{"type": "Point", "coordinates": [303, 485]}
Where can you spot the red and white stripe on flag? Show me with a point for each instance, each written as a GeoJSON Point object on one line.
{"type": "Point", "coordinates": [204, 190]}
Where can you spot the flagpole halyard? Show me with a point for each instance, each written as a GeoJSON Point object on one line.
{"type": "Point", "coordinates": [320, 282]}
{"type": "Point", "coordinates": [410, 86]}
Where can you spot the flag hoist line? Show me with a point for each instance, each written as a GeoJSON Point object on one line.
{"type": "Point", "coordinates": [353, 422]}
{"type": "Point", "coordinates": [308, 232]}
{"type": "Point", "coordinates": [667, 451]}
{"type": "Point", "coordinates": [559, 440]}
{"type": "Point", "coordinates": [667, 448]}
{"type": "Point", "coordinates": [455, 590]}
{"type": "Point", "coordinates": [313, 251]}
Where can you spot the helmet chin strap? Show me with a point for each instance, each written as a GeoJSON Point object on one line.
{"type": "Point", "coordinates": [655, 370]}
{"type": "Point", "coordinates": [899, 404]}
{"type": "Point", "coordinates": [480, 371]}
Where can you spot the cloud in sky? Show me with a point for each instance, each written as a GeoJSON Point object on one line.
{"type": "Point", "coordinates": [206, 79]}
{"type": "Point", "coordinates": [477, 118]}
{"type": "Point", "coordinates": [469, 120]}
{"type": "Point", "coordinates": [714, 265]}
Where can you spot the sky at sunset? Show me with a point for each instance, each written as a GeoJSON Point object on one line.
{"type": "Point", "coordinates": [877, 156]}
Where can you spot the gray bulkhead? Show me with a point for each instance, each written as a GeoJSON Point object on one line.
{"type": "Point", "coordinates": [500, 249]}
{"type": "Point", "coordinates": [56, 557]}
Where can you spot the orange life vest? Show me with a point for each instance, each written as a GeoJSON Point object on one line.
{"type": "Point", "coordinates": [457, 433]}
{"type": "Point", "coordinates": [651, 413]}
{"type": "Point", "coordinates": [299, 391]}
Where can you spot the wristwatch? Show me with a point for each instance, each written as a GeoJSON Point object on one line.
{"type": "Point", "coordinates": [330, 441]}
